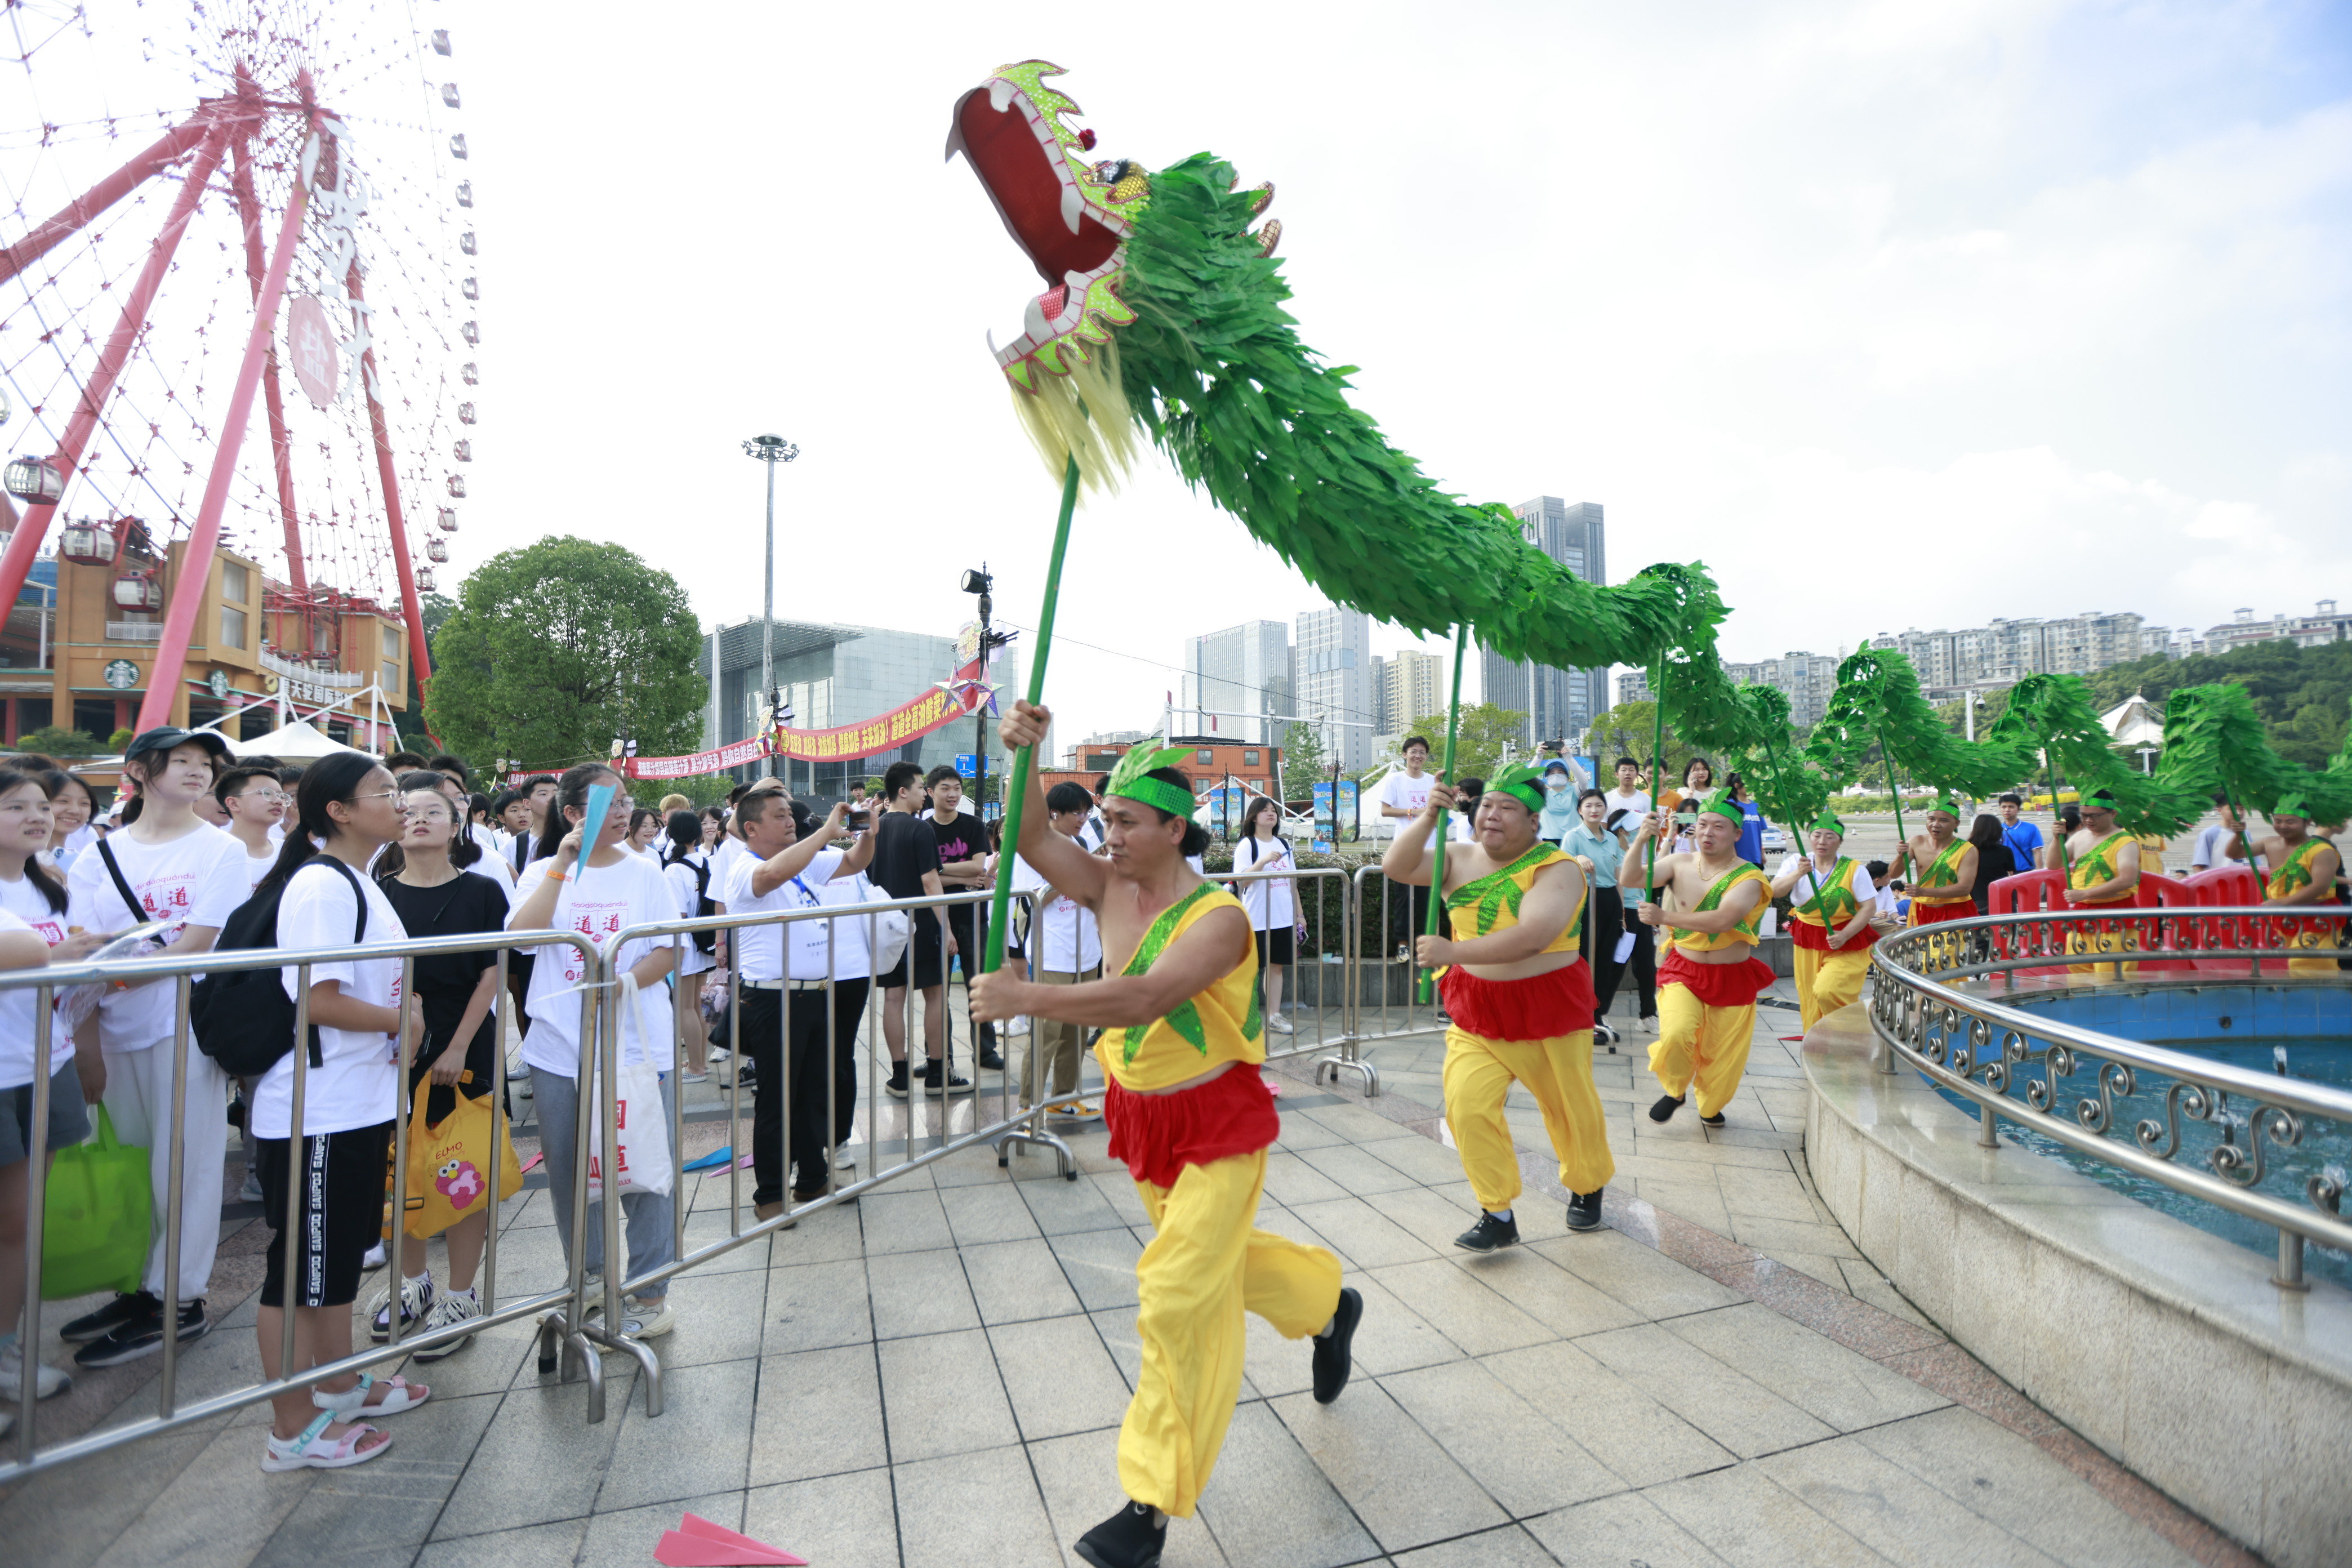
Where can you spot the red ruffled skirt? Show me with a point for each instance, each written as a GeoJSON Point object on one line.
{"type": "Point", "coordinates": [1540, 1007]}
{"type": "Point", "coordinates": [1808, 934]}
{"type": "Point", "coordinates": [1924, 913]}
{"type": "Point", "coordinates": [1717, 984]}
{"type": "Point", "coordinates": [1158, 1134]}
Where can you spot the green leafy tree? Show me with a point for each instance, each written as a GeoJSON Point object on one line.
{"type": "Point", "coordinates": [1629, 730]}
{"type": "Point", "coordinates": [2300, 694]}
{"type": "Point", "coordinates": [1478, 746]}
{"type": "Point", "coordinates": [555, 648]}
{"type": "Point", "coordinates": [1302, 760]}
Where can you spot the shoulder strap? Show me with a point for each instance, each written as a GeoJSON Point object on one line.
{"type": "Point", "coordinates": [138, 910]}
{"type": "Point", "coordinates": [1724, 883]}
{"type": "Point", "coordinates": [1163, 931]}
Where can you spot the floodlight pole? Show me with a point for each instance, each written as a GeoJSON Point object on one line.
{"type": "Point", "coordinates": [769, 449]}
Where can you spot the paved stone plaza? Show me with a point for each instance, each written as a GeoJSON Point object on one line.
{"type": "Point", "coordinates": [936, 1373]}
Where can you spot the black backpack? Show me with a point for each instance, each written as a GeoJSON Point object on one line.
{"type": "Point", "coordinates": [704, 941]}
{"type": "Point", "coordinates": [243, 1019]}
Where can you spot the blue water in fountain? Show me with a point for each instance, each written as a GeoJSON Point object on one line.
{"type": "Point", "coordinates": [2301, 1032]}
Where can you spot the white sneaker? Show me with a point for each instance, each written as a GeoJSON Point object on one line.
{"type": "Point", "coordinates": [1279, 1025]}
{"type": "Point", "coordinates": [456, 1307]}
{"type": "Point", "coordinates": [416, 1302]}
{"type": "Point", "coordinates": [374, 1258]}
{"type": "Point", "coordinates": [47, 1381]}
{"type": "Point", "coordinates": [648, 1321]}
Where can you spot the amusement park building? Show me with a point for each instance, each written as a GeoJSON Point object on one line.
{"type": "Point", "coordinates": [79, 647]}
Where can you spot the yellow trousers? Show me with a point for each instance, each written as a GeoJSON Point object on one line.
{"type": "Point", "coordinates": [2123, 939]}
{"type": "Point", "coordinates": [1829, 980]}
{"type": "Point", "coordinates": [2326, 966]}
{"type": "Point", "coordinates": [1206, 1265]}
{"type": "Point", "coordinates": [1479, 1073]}
{"type": "Point", "coordinates": [1702, 1046]}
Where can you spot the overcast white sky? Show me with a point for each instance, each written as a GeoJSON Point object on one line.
{"type": "Point", "coordinates": [1891, 313]}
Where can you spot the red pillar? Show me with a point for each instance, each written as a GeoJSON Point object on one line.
{"type": "Point", "coordinates": [280, 448]}
{"type": "Point", "coordinates": [24, 545]}
{"type": "Point", "coordinates": [166, 150]}
{"type": "Point", "coordinates": [196, 560]}
{"type": "Point", "coordinates": [419, 661]}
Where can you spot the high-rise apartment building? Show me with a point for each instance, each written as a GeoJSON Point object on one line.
{"type": "Point", "coordinates": [2003, 652]}
{"type": "Point", "coordinates": [1807, 680]}
{"type": "Point", "coordinates": [1332, 664]}
{"type": "Point", "coordinates": [1417, 689]}
{"type": "Point", "coordinates": [1384, 718]}
{"type": "Point", "coordinates": [1560, 704]}
{"type": "Point", "coordinates": [1240, 670]}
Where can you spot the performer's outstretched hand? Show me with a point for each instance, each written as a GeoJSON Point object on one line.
{"type": "Point", "coordinates": [1025, 725]}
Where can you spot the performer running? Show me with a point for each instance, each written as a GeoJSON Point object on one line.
{"type": "Point", "coordinates": [1946, 889]}
{"type": "Point", "coordinates": [1519, 996]}
{"type": "Point", "coordinates": [2303, 871]}
{"type": "Point", "coordinates": [1709, 985]}
{"type": "Point", "coordinates": [1188, 1110]}
{"type": "Point", "coordinates": [1834, 899]}
{"type": "Point", "coordinates": [2102, 870]}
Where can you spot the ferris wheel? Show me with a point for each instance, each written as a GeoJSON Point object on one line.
{"type": "Point", "coordinates": [237, 320]}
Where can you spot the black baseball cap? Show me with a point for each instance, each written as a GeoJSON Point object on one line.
{"type": "Point", "coordinates": [164, 738]}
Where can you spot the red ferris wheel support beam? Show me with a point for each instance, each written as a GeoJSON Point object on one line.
{"type": "Point", "coordinates": [195, 563]}
{"type": "Point", "coordinates": [420, 662]}
{"type": "Point", "coordinates": [25, 544]}
{"type": "Point", "coordinates": [281, 448]}
{"type": "Point", "coordinates": [168, 149]}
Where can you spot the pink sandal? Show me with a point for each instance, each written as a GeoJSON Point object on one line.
{"type": "Point", "coordinates": [399, 1394]}
{"type": "Point", "coordinates": [309, 1449]}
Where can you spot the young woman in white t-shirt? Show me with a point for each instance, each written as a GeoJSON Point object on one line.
{"type": "Point", "coordinates": [617, 890]}
{"type": "Point", "coordinates": [1273, 905]}
{"type": "Point", "coordinates": [32, 922]}
{"type": "Point", "coordinates": [326, 1189]}
{"type": "Point", "coordinates": [70, 809]}
{"type": "Point", "coordinates": [688, 870]}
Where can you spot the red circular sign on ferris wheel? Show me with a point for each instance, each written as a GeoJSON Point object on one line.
{"type": "Point", "coordinates": [310, 346]}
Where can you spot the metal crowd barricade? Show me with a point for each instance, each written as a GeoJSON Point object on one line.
{"type": "Point", "coordinates": [571, 1329]}
{"type": "Point", "coordinates": [1987, 1051]}
{"type": "Point", "coordinates": [170, 1415]}
{"type": "Point", "coordinates": [1334, 1053]}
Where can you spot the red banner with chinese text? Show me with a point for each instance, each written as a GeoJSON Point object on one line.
{"type": "Point", "coordinates": [869, 737]}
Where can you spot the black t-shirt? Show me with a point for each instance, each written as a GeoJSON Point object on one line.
{"type": "Point", "coordinates": [906, 849]}
{"type": "Point", "coordinates": [958, 840]}
{"type": "Point", "coordinates": [471, 902]}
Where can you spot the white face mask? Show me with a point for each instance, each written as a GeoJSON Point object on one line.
{"type": "Point", "coordinates": [1556, 785]}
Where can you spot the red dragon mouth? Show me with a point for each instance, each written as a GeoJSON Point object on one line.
{"type": "Point", "coordinates": [1012, 148]}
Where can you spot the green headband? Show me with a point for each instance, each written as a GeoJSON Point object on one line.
{"type": "Point", "coordinates": [1829, 824]}
{"type": "Point", "coordinates": [1132, 780]}
{"type": "Point", "coordinates": [2292, 805]}
{"type": "Point", "coordinates": [1948, 806]}
{"type": "Point", "coordinates": [1524, 784]}
{"type": "Point", "coordinates": [1723, 806]}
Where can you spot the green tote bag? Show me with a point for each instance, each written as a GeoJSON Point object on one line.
{"type": "Point", "coordinates": [95, 1218]}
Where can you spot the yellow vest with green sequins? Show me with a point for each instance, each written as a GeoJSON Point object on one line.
{"type": "Point", "coordinates": [1221, 1024]}
{"type": "Point", "coordinates": [1491, 903]}
{"type": "Point", "coordinates": [1749, 925]}
{"type": "Point", "coordinates": [2293, 874]}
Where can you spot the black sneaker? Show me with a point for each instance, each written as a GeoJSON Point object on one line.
{"type": "Point", "coordinates": [938, 1081]}
{"type": "Point", "coordinates": [417, 1299]}
{"type": "Point", "coordinates": [1332, 1360]}
{"type": "Point", "coordinates": [1492, 1233]}
{"type": "Point", "coordinates": [1664, 1111]}
{"type": "Point", "coordinates": [124, 1309]}
{"type": "Point", "coordinates": [895, 1086]}
{"type": "Point", "coordinates": [1584, 1210]}
{"type": "Point", "coordinates": [143, 1335]}
{"type": "Point", "coordinates": [1715, 1121]}
{"type": "Point", "coordinates": [1605, 1034]}
{"type": "Point", "coordinates": [991, 1061]}
{"type": "Point", "coordinates": [1128, 1538]}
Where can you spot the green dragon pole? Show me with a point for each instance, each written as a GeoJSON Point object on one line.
{"type": "Point", "coordinates": [1657, 761]}
{"type": "Point", "coordinates": [1437, 870]}
{"type": "Point", "coordinates": [999, 907]}
{"type": "Point", "coordinates": [1895, 787]}
{"type": "Point", "coordinates": [2058, 823]}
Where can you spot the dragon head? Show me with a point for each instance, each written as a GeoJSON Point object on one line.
{"type": "Point", "coordinates": [1073, 215]}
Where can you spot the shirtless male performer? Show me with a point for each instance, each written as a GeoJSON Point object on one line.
{"type": "Point", "coordinates": [1520, 998]}
{"type": "Point", "coordinates": [2102, 868]}
{"type": "Point", "coordinates": [1188, 1110]}
{"type": "Point", "coordinates": [1709, 985]}
{"type": "Point", "coordinates": [1834, 899]}
{"type": "Point", "coordinates": [1944, 888]}
{"type": "Point", "coordinates": [2303, 871]}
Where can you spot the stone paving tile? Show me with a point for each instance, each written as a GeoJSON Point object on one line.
{"type": "Point", "coordinates": [1821, 1377]}
{"type": "Point", "coordinates": [818, 1412]}
{"type": "Point", "coordinates": [1510, 1547]}
{"type": "Point", "coordinates": [920, 1293]}
{"type": "Point", "coordinates": [1651, 1285]}
{"type": "Point", "coordinates": [847, 1521]}
{"type": "Point", "coordinates": [941, 1395]}
{"type": "Point", "coordinates": [539, 1460]}
{"type": "Point", "coordinates": [1099, 1266]}
{"type": "Point", "coordinates": [970, 1509]}
{"type": "Point", "coordinates": [1619, 1423]}
{"type": "Point", "coordinates": [816, 1304]}
{"type": "Point", "coordinates": [1464, 1309]}
{"type": "Point", "coordinates": [1892, 1511]}
{"type": "Point", "coordinates": [1523, 1459]}
{"type": "Point", "coordinates": [1362, 1236]}
{"type": "Point", "coordinates": [1726, 1404]}
{"type": "Point", "coordinates": [1013, 1281]}
{"type": "Point", "coordinates": [1060, 1377]}
{"type": "Point", "coordinates": [625, 1538]}
{"type": "Point", "coordinates": [381, 1511]}
{"type": "Point", "coordinates": [1269, 1502]}
{"type": "Point", "coordinates": [1749, 1522]}
{"type": "Point", "coordinates": [555, 1545]}
{"type": "Point", "coordinates": [1617, 1531]}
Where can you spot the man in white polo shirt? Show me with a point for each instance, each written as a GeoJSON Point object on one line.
{"type": "Point", "coordinates": [790, 1045]}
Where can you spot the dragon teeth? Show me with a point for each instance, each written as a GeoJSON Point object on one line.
{"type": "Point", "coordinates": [1073, 205]}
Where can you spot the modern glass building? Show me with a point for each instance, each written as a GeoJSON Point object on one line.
{"type": "Point", "coordinates": [835, 675]}
{"type": "Point", "coordinates": [1560, 704]}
